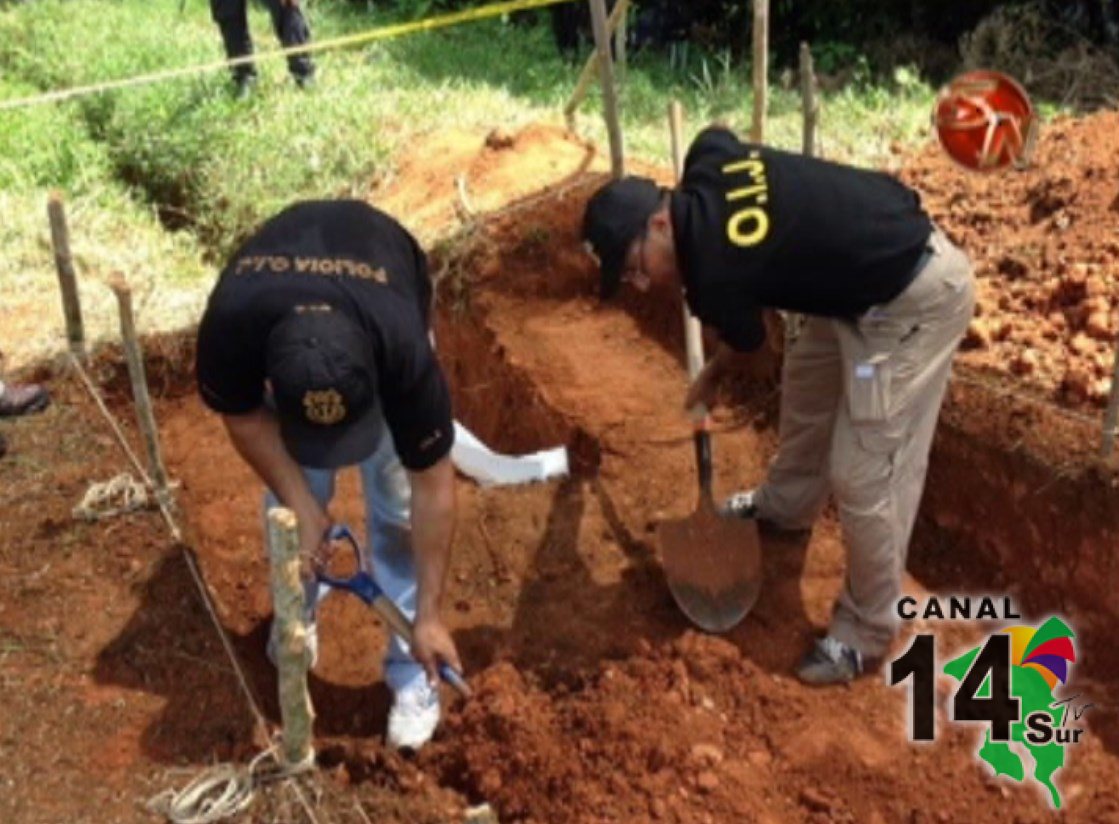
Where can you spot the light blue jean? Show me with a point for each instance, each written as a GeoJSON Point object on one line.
{"type": "Point", "coordinates": [388, 551]}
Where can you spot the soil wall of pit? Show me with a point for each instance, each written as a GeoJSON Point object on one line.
{"type": "Point", "coordinates": [1016, 500]}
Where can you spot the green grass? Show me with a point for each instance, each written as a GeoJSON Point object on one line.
{"type": "Point", "coordinates": [46, 146]}
{"type": "Point", "coordinates": [220, 165]}
{"type": "Point", "coordinates": [185, 153]}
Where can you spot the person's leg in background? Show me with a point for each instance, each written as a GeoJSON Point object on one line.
{"type": "Point", "coordinates": [233, 22]}
{"type": "Point", "coordinates": [389, 556]}
{"type": "Point", "coordinates": [292, 30]}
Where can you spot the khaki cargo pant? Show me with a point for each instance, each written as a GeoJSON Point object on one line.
{"type": "Point", "coordinates": [859, 405]}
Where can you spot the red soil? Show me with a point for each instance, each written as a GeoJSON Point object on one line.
{"type": "Point", "coordinates": [1046, 244]}
{"type": "Point", "coordinates": [595, 700]}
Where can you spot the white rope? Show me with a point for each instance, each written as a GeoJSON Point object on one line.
{"type": "Point", "coordinates": [179, 807]}
{"type": "Point", "coordinates": [116, 496]}
{"type": "Point", "coordinates": [222, 791]}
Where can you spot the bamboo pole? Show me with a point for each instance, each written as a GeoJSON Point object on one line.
{"type": "Point", "coordinates": [292, 660]}
{"type": "Point", "coordinates": [620, 47]}
{"type": "Point", "coordinates": [761, 62]}
{"type": "Point", "coordinates": [676, 130]}
{"type": "Point", "coordinates": [693, 329]}
{"type": "Point", "coordinates": [810, 104]}
{"type": "Point", "coordinates": [144, 414]}
{"type": "Point", "coordinates": [589, 68]}
{"type": "Point", "coordinates": [609, 92]}
{"type": "Point", "coordinates": [810, 107]}
{"type": "Point", "coordinates": [67, 278]}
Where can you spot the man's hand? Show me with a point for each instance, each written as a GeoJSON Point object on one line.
{"type": "Point", "coordinates": [432, 644]}
{"type": "Point", "coordinates": [315, 548]}
{"type": "Point", "coordinates": [705, 387]}
{"type": "Point", "coordinates": [256, 436]}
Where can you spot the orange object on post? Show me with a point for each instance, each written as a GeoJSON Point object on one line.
{"type": "Point", "coordinates": [985, 121]}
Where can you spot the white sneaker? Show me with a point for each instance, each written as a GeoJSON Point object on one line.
{"type": "Point", "coordinates": [741, 505]}
{"type": "Point", "coordinates": [311, 649]}
{"type": "Point", "coordinates": [413, 717]}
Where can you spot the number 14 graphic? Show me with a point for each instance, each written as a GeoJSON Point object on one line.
{"type": "Point", "coordinates": [991, 668]}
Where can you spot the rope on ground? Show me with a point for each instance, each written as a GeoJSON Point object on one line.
{"type": "Point", "coordinates": [222, 791]}
{"type": "Point", "coordinates": [368, 36]}
{"type": "Point", "coordinates": [106, 499]}
{"type": "Point", "coordinates": [233, 796]}
{"type": "Point", "coordinates": [162, 497]}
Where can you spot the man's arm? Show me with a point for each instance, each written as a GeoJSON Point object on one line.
{"type": "Point", "coordinates": [433, 526]}
{"type": "Point", "coordinates": [706, 385]}
{"type": "Point", "coordinates": [256, 437]}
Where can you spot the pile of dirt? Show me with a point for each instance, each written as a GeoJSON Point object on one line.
{"type": "Point", "coordinates": [1046, 249]}
{"type": "Point", "coordinates": [695, 731]}
{"type": "Point", "coordinates": [645, 738]}
{"type": "Point", "coordinates": [449, 177]}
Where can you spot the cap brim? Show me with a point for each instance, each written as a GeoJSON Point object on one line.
{"type": "Point", "coordinates": [327, 447]}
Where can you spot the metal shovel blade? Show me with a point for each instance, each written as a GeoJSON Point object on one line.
{"type": "Point", "coordinates": [713, 565]}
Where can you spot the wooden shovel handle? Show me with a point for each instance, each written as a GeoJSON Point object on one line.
{"type": "Point", "coordinates": [693, 332]}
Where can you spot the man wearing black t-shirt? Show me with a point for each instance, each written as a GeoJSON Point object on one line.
{"type": "Point", "coordinates": [315, 350]}
{"type": "Point", "coordinates": [888, 298]}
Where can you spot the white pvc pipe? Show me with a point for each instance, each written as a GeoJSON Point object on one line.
{"type": "Point", "coordinates": [476, 460]}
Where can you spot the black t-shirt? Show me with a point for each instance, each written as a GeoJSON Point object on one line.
{"type": "Point", "coordinates": [363, 263]}
{"type": "Point", "coordinates": [757, 227]}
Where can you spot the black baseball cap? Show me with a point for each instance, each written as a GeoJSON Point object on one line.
{"type": "Point", "coordinates": [323, 375]}
{"type": "Point", "coordinates": [616, 215]}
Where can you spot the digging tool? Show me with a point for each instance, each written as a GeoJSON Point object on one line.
{"type": "Point", "coordinates": [364, 587]}
{"type": "Point", "coordinates": [712, 563]}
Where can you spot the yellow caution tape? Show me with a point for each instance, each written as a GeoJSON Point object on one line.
{"type": "Point", "coordinates": [383, 33]}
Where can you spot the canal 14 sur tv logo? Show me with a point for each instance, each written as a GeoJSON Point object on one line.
{"type": "Point", "coordinates": [1008, 682]}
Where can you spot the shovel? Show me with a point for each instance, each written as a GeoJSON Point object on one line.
{"type": "Point", "coordinates": [712, 563]}
{"type": "Point", "coordinates": [364, 587]}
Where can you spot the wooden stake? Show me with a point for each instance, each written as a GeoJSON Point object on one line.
{"type": "Point", "coordinates": [67, 278]}
{"type": "Point", "coordinates": [292, 660]}
{"type": "Point", "coordinates": [676, 130]}
{"type": "Point", "coordinates": [620, 44]}
{"type": "Point", "coordinates": [810, 105]}
{"type": "Point", "coordinates": [609, 96]}
{"type": "Point", "coordinates": [761, 62]}
{"type": "Point", "coordinates": [693, 329]}
{"type": "Point", "coordinates": [144, 414]}
{"type": "Point", "coordinates": [589, 68]}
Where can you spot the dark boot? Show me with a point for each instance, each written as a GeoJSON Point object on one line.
{"type": "Point", "coordinates": [22, 399]}
{"type": "Point", "coordinates": [233, 22]}
{"type": "Point", "coordinates": [292, 30]}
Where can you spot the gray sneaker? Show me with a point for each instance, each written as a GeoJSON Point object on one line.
{"type": "Point", "coordinates": [741, 505]}
{"type": "Point", "coordinates": [830, 662]}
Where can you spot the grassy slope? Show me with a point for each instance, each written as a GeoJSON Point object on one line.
{"type": "Point", "coordinates": [216, 166]}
